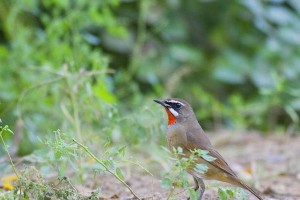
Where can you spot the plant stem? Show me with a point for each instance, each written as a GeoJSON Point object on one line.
{"type": "Point", "coordinates": [5, 128]}
{"type": "Point", "coordinates": [103, 164]}
{"type": "Point", "coordinates": [7, 152]}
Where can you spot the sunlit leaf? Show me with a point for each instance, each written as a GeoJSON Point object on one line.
{"type": "Point", "coordinates": [200, 168]}
{"type": "Point", "coordinates": [179, 150]}
{"type": "Point", "coordinates": [119, 173]}
{"type": "Point", "coordinates": [166, 183]}
{"type": "Point", "coordinates": [222, 194]}
{"type": "Point", "coordinates": [208, 158]}
{"type": "Point", "coordinates": [194, 195]}
{"type": "Point", "coordinates": [230, 193]}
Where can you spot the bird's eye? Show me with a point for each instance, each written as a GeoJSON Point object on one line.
{"type": "Point", "coordinates": [178, 105]}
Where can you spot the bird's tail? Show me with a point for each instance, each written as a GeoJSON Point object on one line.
{"type": "Point", "coordinates": [253, 191]}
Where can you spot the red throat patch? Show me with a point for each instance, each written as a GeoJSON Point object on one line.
{"type": "Point", "coordinates": [171, 118]}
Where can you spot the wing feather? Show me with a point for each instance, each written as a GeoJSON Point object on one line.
{"type": "Point", "coordinates": [201, 141]}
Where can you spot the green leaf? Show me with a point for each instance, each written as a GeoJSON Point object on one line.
{"type": "Point", "coordinates": [122, 150]}
{"type": "Point", "coordinates": [119, 173]}
{"type": "Point", "coordinates": [166, 183]}
{"type": "Point", "coordinates": [208, 158]}
{"type": "Point", "coordinates": [165, 149]}
{"type": "Point", "coordinates": [185, 183]}
{"type": "Point", "coordinates": [292, 113]}
{"type": "Point", "coordinates": [222, 194]}
{"type": "Point", "coordinates": [8, 130]}
{"type": "Point", "coordinates": [230, 192]}
{"type": "Point", "coordinates": [205, 155]}
{"type": "Point", "coordinates": [179, 150]}
{"type": "Point", "coordinates": [193, 194]}
{"type": "Point", "coordinates": [101, 91]}
{"type": "Point", "coordinates": [200, 168]}
{"type": "Point", "coordinates": [57, 155]}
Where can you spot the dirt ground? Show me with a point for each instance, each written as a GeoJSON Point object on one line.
{"type": "Point", "coordinates": [269, 162]}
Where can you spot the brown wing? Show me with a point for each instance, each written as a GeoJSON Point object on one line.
{"type": "Point", "coordinates": [220, 162]}
{"type": "Point", "coordinates": [201, 141]}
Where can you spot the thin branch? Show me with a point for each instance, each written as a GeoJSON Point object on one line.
{"type": "Point", "coordinates": [103, 164]}
{"type": "Point", "coordinates": [138, 164]}
{"type": "Point", "coordinates": [7, 152]}
{"type": "Point", "coordinates": [5, 128]}
{"type": "Point", "coordinates": [26, 91]}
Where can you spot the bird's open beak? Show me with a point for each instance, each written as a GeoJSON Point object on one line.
{"type": "Point", "coordinates": [162, 103]}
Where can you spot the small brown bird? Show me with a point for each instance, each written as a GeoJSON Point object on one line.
{"type": "Point", "coordinates": [184, 131]}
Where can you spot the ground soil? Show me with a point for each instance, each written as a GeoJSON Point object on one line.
{"type": "Point", "coordinates": [270, 162]}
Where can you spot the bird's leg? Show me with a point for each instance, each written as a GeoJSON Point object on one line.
{"type": "Point", "coordinates": [196, 184]}
{"type": "Point", "coordinates": [200, 184]}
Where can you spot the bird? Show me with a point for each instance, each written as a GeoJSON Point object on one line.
{"type": "Point", "coordinates": [184, 131]}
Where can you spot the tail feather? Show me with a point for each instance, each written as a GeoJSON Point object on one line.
{"type": "Point", "coordinates": [253, 191]}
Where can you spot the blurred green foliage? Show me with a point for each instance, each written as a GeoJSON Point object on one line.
{"type": "Point", "coordinates": [82, 66]}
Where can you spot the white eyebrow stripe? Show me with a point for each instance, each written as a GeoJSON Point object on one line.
{"type": "Point", "coordinates": [173, 112]}
{"type": "Point", "coordinates": [174, 101]}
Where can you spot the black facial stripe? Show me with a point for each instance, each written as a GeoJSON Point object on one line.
{"type": "Point", "coordinates": [173, 102]}
{"type": "Point", "coordinates": [175, 105]}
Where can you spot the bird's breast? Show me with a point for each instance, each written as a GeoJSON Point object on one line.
{"type": "Point", "coordinates": [176, 136]}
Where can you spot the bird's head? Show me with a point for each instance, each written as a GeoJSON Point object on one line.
{"type": "Point", "coordinates": [177, 109]}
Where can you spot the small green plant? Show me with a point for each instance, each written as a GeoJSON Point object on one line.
{"type": "Point", "coordinates": [106, 164]}
{"type": "Point", "coordinates": [63, 158]}
{"type": "Point", "coordinates": [4, 129]}
{"type": "Point", "coordinates": [64, 152]}
{"type": "Point", "coordinates": [177, 176]}
{"type": "Point", "coordinates": [226, 193]}
{"type": "Point", "coordinates": [34, 186]}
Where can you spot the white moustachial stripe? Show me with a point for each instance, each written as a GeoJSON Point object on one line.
{"type": "Point", "coordinates": [173, 112]}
